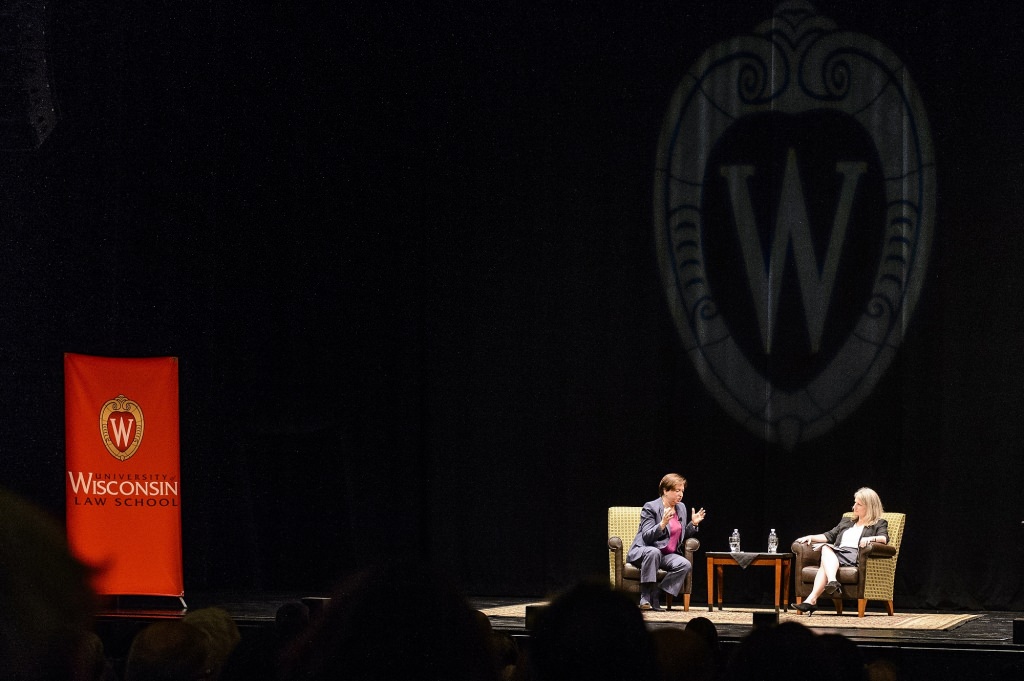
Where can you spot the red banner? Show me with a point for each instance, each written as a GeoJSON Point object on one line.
{"type": "Point", "coordinates": [123, 472]}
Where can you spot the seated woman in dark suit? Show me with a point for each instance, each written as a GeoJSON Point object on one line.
{"type": "Point", "coordinates": [659, 542]}
{"type": "Point", "coordinates": [841, 545]}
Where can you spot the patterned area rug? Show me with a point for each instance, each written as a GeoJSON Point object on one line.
{"type": "Point", "coordinates": [827, 619]}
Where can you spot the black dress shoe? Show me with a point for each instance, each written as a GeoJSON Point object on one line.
{"type": "Point", "coordinates": [805, 607]}
{"type": "Point", "coordinates": [833, 589]}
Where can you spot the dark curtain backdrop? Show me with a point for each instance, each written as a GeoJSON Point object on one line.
{"type": "Point", "coordinates": [406, 259]}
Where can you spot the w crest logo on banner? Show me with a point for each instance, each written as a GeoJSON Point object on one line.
{"type": "Point", "coordinates": [121, 427]}
{"type": "Point", "coordinates": [794, 204]}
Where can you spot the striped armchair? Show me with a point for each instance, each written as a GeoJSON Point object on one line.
{"type": "Point", "coordinates": [623, 523]}
{"type": "Point", "coordinates": [873, 577]}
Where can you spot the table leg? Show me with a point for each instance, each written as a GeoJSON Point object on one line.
{"type": "Point", "coordinates": [711, 583]}
{"type": "Point", "coordinates": [778, 581]}
{"type": "Point", "coordinates": [720, 573]}
{"type": "Point", "coordinates": [786, 570]}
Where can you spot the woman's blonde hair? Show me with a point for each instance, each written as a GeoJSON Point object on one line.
{"type": "Point", "coordinates": [872, 504]}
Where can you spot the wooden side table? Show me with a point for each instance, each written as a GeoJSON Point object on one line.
{"type": "Point", "coordinates": [717, 560]}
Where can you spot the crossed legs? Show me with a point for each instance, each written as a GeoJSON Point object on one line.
{"type": "Point", "coordinates": [827, 571]}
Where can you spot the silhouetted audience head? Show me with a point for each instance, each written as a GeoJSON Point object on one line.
{"type": "Point", "coordinates": [257, 657]}
{"type": "Point", "coordinates": [358, 637]}
{"type": "Point", "coordinates": [591, 632]}
{"type": "Point", "coordinates": [95, 665]}
{"type": "Point", "coordinates": [291, 619]}
{"type": "Point", "coordinates": [707, 630]}
{"type": "Point", "coordinates": [507, 653]}
{"type": "Point", "coordinates": [48, 605]}
{"type": "Point", "coordinates": [502, 648]}
{"type": "Point", "coordinates": [769, 654]}
{"type": "Point", "coordinates": [845, 657]}
{"type": "Point", "coordinates": [170, 650]}
{"type": "Point", "coordinates": [683, 655]}
{"type": "Point", "coordinates": [222, 634]}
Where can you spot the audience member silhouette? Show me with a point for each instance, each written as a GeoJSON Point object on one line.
{"type": "Point", "coordinates": [707, 630]}
{"type": "Point", "coordinates": [770, 653]}
{"type": "Point", "coordinates": [683, 655]}
{"type": "Point", "coordinates": [845, 657]}
{"type": "Point", "coordinates": [95, 665]}
{"type": "Point", "coordinates": [507, 653]}
{"type": "Point", "coordinates": [168, 650]}
{"type": "Point", "coordinates": [590, 632]}
{"type": "Point", "coordinates": [222, 634]}
{"type": "Point", "coordinates": [357, 636]}
{"type": "Point", "coordinates": [500, 645]}
{"type": "Point", "coordinates": [48, 605]}
{"type": "Point", "coordinates": [258, 656]}
{"type": "Point", "coordinates": [291, 620]}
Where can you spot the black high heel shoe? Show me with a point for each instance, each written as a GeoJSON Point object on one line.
{"type": "Point", "coordinates": [834, 589]}
{"type": "Point", "coordinates": [805, 607]}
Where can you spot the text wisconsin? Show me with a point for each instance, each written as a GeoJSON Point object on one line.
{"type": "Point", "coordinates": [87, 483]}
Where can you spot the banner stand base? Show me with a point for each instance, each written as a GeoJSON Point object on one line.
{"type": "Point", "coordinates": [130, 602]}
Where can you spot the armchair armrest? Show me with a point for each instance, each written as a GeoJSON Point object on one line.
{"type": "Point", "coordinates": [691, 545]}
{"type": "Point", "coordinates": [876, 550]}
{"type": "Point", "coordinates": [804, 555]}
{"type": "Point", "coordinates": [619, 558]}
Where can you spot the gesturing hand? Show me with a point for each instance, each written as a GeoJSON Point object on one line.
{"type": "Point", "coordinates": [669, 514]}
{"type": "Point", "coordinates": [697, 517]}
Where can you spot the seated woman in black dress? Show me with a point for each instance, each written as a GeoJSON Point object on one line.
{"type": "Point", "coordinates": [841, 545]}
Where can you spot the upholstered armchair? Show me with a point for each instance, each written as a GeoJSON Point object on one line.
{"type": "Point", "coordinates": [871, 579]}
{"type": "Point", "coordinates": [623, 523]}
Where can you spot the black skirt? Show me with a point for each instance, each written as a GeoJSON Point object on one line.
{"type": "Point", "coordinates": [847, 555]}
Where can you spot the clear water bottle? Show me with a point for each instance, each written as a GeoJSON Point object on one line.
{"type": "Point", "coordinates": [773, 541]}
{"type": "Point", "coordinates": [734, 541]}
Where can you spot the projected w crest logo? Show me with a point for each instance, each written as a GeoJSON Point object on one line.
{"type": "Point", "coordinates": [794, 202]}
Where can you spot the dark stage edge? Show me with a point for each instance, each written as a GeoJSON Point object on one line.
{"type": "Point", "coordinates": [980, 649]}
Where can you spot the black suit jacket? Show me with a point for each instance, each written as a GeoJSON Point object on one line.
{"type": "Point", "coordinates": [879, 529]}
